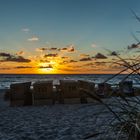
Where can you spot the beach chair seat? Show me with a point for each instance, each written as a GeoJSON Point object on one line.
{"type": "Point", "coordinates": [126, 88]}
{"type": "Point", "coordinates": [69, 92]}
{"type": "Point", "coordinates": [20, 94]}
{"type": "Point", "coordinates": [43, 93]}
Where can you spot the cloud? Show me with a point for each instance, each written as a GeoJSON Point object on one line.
{"type": "Point", "coordinates": [23, 67]}
{"type": "Point", "coordinates": [45, 61]}
{"type": "Point", "coordinates": [44, 67]}
{"type": "Point", "coordinates": [20, 53]}
{"type": "Point", "coordinates": [68, 61]}
{"type": "Point", "coordinates": [84, 55]}
{"type": "Point", "coordinates": [95, 64]}
{"type": "Point", "coordinates": [70, 69]}
{"type": "Point", "coordinates": [72, 61]}
{"type": "Point", "coordinates": [18, 67]}
{"type": "Point", "coordinates": [5, 68]}
{"type": "Point", "coordinates": [68, 48]}
{"type": "Point", "coordinates": [17, 59]}
{"type": "Point", "coordinates": [71, 49]}
{"type": "Point", "coordinates": [100, 56]}
{"type": "Point", "coordinates": [41, 49]}
{"type": "Point", "coordinates": [64, 57]}
{"type": "Point", "coordinates": [53, 49]}
{"type": "Point", "coordinates": [63, 49]}
{"type": "Point", "coordinates": [2, 54]}
{"type": "Point", "coordinates": [13, 58]}
{"type": "Point", "coordinates": [64, 62]}
{"type": "Point", "coordinates": [34, 38]}
{"type": "Point", "coordinates": [89, 64]}
{"type": "Point", "coordinates": [133, 46]}
{"type": "Point", "coordinates": [51, 55]}
{"type": "Point", "coordinates": [46, 48]}
{"type": "Point", "coordinates": [100, 63]}
{"type": "Point", "coordinates": [115, 66]}
{"type": "Point", "coordinates": [85, 59]}
{"type": "Point", "coordinates": [25, 30]}
{"type": "Point", "coordinates": [114, 53]}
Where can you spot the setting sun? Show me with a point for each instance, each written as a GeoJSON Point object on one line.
{"type": "Point", "coordinates": [50, 67]}
{"type": "Point", "coordinates": [69, 69]}
{"type": "Point", "coordinates": [65, 41]}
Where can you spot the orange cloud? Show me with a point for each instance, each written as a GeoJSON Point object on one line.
{"type": "Point", "coordinates": [6, 57]}
{"type": "Point", "coordinates": [50, 55]}
{"type": "Point", "coordinates": [85, 59]}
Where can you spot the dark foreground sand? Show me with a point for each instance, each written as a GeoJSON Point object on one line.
{"type": "Point", "coordinates": [57, 122]}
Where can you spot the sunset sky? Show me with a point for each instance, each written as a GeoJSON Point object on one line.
{"type": "Point", "coordinates": [67, 36]}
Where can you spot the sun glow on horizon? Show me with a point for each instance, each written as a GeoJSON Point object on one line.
{"type": "Point", "coordinates": [47, 68]}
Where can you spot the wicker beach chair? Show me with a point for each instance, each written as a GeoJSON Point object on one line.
{"type": "Point", "coordinates": [104, 90]}
{"type": "Point", "coordinates": [86, 85]}
{"type": "Point", "coordinates": [68, 92]}
{"type": "Point", "coordinates": [43, 93]}
{"type": "Point", "coordinates": [20, 94]}
{"type": "Point", "coordinates": [84, 88]}
{"type": "Point", "coordinates": [126, 88]}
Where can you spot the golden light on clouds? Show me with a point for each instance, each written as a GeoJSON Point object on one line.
{"type": "Point", "coordinates": [48, 67]}
{"type": "Point", "coordinates": [54, 61]}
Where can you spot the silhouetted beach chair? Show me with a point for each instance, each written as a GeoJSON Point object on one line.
{"type": "Point", "coordinates": [84, 87]}
{"type": "Point", "coordinates": [103, 90]}
{"type": "Point", "coordinates": [69, 92]}
{"type": "Point", "coordinates": [43, 93]}
{"type": "Point", "coordinates": [87, 85]}
{"type": "Point", "coordinates": [20, 94]}
{"type": "Point", "coordinates": [126, 88]}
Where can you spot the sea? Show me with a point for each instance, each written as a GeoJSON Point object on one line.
{"type": "Point", "coordinates": [7, 79]}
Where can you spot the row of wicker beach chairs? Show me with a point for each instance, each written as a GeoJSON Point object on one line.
{"type": "Point", "coordinates": [67, 91]}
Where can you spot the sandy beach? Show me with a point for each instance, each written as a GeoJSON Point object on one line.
{"type": "Point", "coordinates": [71, 69]}
{"type": "Point", "coordinates": [55, 122]}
